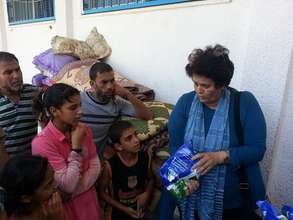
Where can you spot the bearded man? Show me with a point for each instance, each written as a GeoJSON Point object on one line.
{"type": "Point", "coordinates": [106, 102]}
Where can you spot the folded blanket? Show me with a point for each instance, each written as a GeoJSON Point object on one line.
{"type": "Point", "coordinates": [141, 92]}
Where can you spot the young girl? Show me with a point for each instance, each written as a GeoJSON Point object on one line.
{"type": "Point", "coordinates": [30, 189]}
{"type": "Point", "coordinates": [69, 147]}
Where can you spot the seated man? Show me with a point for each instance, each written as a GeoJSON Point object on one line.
{"type": "Point", "coordinates": [105, 103]}
{"type": "Point", "coordinates": [16, 116]}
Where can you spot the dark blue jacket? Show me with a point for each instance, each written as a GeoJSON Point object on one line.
{"type": "Point", "coordinates": [247, 155]}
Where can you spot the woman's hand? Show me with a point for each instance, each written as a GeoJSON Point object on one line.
{"type": "Point", "coordinates": [54, 209]}
{"type": "Point", "coordinates": [77, 136]}
{"type": "Point", "coordinates": [192, 185]}
{"type": "Point", "coordinates": [206, 161]}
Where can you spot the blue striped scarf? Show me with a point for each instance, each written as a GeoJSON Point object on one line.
{"type": "Point", "coordinates": [208, 199]}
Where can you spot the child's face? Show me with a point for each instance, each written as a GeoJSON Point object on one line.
{"type": "Point", "coordinates": [45, 191]}
{"type": "Point", "coordinates": [70, 112]}
{"type": "Point", "coordinates": [129, 141]}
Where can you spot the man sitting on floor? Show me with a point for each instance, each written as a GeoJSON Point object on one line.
{"type": "Point", "coordinates": [106, 102]}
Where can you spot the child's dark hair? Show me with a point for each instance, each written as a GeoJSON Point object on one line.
{"type": "Point", "coordinates": [39, 109]}
{"type": "Point", "coordinates": [57, 95]}
{"type": "Point", "coordinates": [98, 68]}
{"type": "Point", "coordinates": [21, 176]}
{"type": "Point", "coordinates": [116, 130]}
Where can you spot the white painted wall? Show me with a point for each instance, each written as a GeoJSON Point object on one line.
{"type": "Point", "coordinates": [28, 40]}
{"type": "Point", "coordinates": [3, 41]}
{"type": "Point", "coordinates": [151, 46]}
{"type": "Point", "coordinates": [268, 55]}
{"type": "Point", "coordinates": [281, 177]}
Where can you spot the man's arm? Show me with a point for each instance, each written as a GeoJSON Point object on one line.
{"type": "Point", "coordinates": [141, 111]}
{"type": "Point", "coordinates": [4, 157]}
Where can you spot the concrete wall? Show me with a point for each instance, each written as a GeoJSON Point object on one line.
{"type": "Point", "coordinates": [28, 40]}
{"type": "Point", "coordinates": [266, 73]}
{"type": "Point", "coordinates": [154, 45]}
{"type": "Point", "coordinates": [3, 41]}
{"type": "Point", "coordinates": [281, 178]}
{"type": "Point", "coordinates": [151, 46]}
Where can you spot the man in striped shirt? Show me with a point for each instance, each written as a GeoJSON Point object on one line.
{"type": "Point", "coordinates": [16, 116]}
{"type": "Point", "coordinates": [106, 102]}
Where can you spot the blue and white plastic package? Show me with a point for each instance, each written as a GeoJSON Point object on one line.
{"type": "Point", "coordinates": [177, 170]}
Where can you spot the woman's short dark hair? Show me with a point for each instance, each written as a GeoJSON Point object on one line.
{"type": "Point", "coordinates": [21, 176]}
{"type": "Point", "coordinates": [99, 68]}
{"type": "Point", "coordinates": [116, 131]}
{"type": "Point", "coordinates": [213, 63]}
{"type": "Point", "coordinates": [57, 95]}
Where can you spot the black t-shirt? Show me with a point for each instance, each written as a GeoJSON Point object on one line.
{"type": "Point", "coordinates": [128, 182]}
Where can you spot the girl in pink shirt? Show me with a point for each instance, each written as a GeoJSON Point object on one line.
{"type": "Point", "coordinates": [70, 150]}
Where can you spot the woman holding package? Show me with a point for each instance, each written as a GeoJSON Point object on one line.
{"type": "Point", "coordinates": [208, 117]}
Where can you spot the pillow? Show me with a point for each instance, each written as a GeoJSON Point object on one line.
{"type": "Point", "coordinates": [76, 74]}
{"type": "Point", "coordinates": [50, 64]}
{"type": "Point", "coordinates": [98, 43]}
{"type": "Point", "coordinates": [79, 49]}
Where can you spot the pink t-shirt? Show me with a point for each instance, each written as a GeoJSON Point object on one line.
{"type": "Point", "coordinates": [74, 173]}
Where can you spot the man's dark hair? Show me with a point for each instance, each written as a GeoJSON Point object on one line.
{"type": "Point", "coordinates": [213, 63]}
{"type": "Point", "coordinates": [7, 57]}
{"type": "Point", "coordinates": [99, 68]}
{"type": "Point", "coordinates": [22, 176]}
{"type": "Point", "coordinates": [116, 130]}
